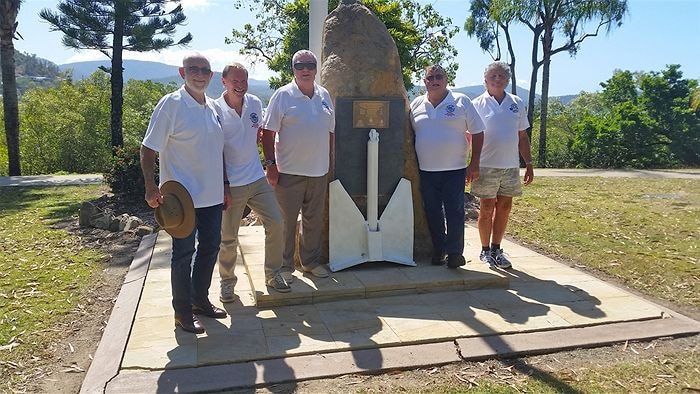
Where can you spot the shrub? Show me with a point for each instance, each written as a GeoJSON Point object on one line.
{"type": "Point", "coordinates": [125, 176]}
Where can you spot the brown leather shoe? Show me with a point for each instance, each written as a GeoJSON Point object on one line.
{"type": "Point", "coordinates": [209, 311]}
{"type": "Point", "coordinates": [189, 323]}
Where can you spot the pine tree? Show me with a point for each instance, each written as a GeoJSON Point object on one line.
{"type": "Point", "coordinates": [113, 26]}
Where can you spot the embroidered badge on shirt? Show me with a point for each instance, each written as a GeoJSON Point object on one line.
{"type": "Point", "coordinates": [450, 110]}
{"type": "Point", "coordinates": [513, 108]}
{"type": "Point", "coordinates": [255, 119]}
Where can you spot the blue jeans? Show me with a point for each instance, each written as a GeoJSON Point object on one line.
{"type": "Point", "coordinates": [443, 200]}
{"type": "Point", "coordinates": [190, 282]}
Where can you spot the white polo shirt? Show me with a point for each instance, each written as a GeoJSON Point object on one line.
{"type": "Point", "coordinates": [303, 125]}
{"type": "Point", "coordinates": [241, 155]}
{"type": "Point", "coordinates": [503, 122]}
{"type": "Point", "coordinates": [441, 141]}
{"type": "Point", "coordinates": [190, 143]}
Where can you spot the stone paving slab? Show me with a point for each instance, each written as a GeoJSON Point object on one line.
{"type": "Point", "coordinates": [268, 344]}
{"type": "Point", "coordinates": [374, 279]}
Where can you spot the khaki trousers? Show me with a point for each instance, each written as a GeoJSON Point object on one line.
{"type": "Point", "coordinates": [306, 194]}
{"type": "Point", "coordinates": [260, 197]}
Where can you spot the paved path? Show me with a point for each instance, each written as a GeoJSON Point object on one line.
{"type": "Point", "coordinates": [51, 180]}
{"type": "Point", "coordinates": [568, 172]}
{"type": "Point", "coordinates": [546, 307]}
{"type": "Point", "coordinates": [89, 179]}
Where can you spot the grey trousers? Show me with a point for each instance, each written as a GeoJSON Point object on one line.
{"type": "Point", "coordinates": [306, 194]}
{"type": "Point", "coordinates": [260, 196]}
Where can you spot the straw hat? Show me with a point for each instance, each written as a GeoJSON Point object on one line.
{"type": "Point", "coordinates": [176, 213]}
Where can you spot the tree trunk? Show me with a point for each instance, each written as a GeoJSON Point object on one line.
{"type": "Point", "coordinates": [544, 98]}
{"type": "Point", "coordinates": [10, 102]}
{"type": "Point", "coordinates": [533, 80]}
{"type": "Point", "coordinates": [117, 76]}
{"type": "Point", "coordinates": [513, 79]}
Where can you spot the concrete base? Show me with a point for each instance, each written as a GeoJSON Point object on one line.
{"type": "Point", "coordinates": [547, 307]}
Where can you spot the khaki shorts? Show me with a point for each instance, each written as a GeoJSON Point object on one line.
{"type": "Point", "coordinates": [495, 182]}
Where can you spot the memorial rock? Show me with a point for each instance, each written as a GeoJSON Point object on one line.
{"type": "Point", "coordinates": [362, 71]}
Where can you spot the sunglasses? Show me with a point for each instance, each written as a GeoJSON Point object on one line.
{"type": "Point", "coordinates": [198, 70]}
{"type": "Point", "coordinates": [300, 66]}
{"type": "Point", "coordinates": [436, 77]}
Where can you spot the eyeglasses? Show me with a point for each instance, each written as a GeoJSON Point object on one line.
{"type": "Point", "coordinates": [300, 66]}
{"type": "Point", "coordinates": [436, 77]}
{"type": "Point", "coordinates": [198, 70]}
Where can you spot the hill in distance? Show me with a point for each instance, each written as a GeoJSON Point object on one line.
{"type": "Point", "coordinates": [165, 73]}
{"type": "Point", "coordinates": [162, 73]}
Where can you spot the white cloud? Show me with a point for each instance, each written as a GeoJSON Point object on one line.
{"type": "Point", "coordinates": [217, 57]}
{"type": "Point", "coordinates": [195, 5]}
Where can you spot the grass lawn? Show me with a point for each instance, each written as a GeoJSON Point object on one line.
{"type": "Point", "coordinates": [643, 232]}
{"type": "Point", "coordinates": [43, 269]}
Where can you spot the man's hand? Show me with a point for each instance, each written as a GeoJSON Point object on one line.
{"type": "Point", "coordinates": [272, 175]}
{"type": "Point", "coordinates": [227, 197]}
{"type": "Point", "coordinates": [153, 196]}
{"type": "Point", "coordinates": [472, 173]}
{"type": "Point", "coordinates": [529, 174]}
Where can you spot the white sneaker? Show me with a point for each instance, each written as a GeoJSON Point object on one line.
{"type": "Point", "coordinates": [487, 258]}
{"type": "Point", "coordinates": [501, 259]}
{"type": "Point", "coordinates": [288, 276]}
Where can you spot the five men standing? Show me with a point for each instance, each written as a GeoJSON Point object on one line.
{"type": "Point", "coordinates": [210, 147]}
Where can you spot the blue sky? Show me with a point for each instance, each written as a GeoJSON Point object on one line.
{"type": "Point", "coordinates": [655, 33]}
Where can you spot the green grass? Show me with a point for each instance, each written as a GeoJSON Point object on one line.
{"type": "Point", "coordinates": [643, 232]}
{"type": "Point", "coordinates": [43, 269]}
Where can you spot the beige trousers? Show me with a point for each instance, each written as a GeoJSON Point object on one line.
{"type": "Point", "coordinates": [306, 194]}
{"type": "Point", "coordinates": [260, 197]}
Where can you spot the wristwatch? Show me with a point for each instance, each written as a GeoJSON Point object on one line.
{"type": "Point", "coordinates": [270, 162]}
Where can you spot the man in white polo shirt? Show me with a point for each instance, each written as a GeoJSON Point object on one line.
{"type": "Point", "coordinates": [185, 132]}
{"type": "Point", "coordinates": [444, 123]}
{"type": "Point", "coordinates": [506, 122]}
{"type": "Point", "coordinates": [297, 140]}
{"type": "Point", "coordinates": [241, 116]}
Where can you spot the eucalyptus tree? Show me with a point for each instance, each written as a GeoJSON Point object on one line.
{"type": "Point", "coordinates": [568, 18]}
{"type": "Point", "coordinates": [421, 34]}
{"type": "Point", "coordinates": [8, 33]}
{"type": "Point", "coordinates": [486, 20]}
{"type": "Point", "coordinates": [115, 26]}
{"type": "Point", "coordinates": [570, 22]}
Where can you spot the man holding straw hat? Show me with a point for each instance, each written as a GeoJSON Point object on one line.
{"type": "Point", "coordinates": [185, 132]}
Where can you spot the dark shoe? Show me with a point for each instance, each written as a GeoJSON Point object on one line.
{"type": "Point", "coordinates": [438, 260]}
{"type": "Point", "coordinates": [278, 283]}
{"type": "Point", "coordinates": [455, 260]}
{"type": "Point", "coordinates": [189, 323]}
{"type": "Point", "coordinates": [209, 311]}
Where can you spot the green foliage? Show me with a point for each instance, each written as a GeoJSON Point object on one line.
{"type": "Point", "coordinates": [140, 97]}
{"type": "Point", "coordinates": [647, 121]}
{"type": "Point", "coordinates": [125, 176]}
{"type": "Point", "coordinates": [421, 35]}
{"type": "Point", "coordinates": [66, 128]}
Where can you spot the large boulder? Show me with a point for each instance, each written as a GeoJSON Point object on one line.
{"type": "Point", "coordinates": [360, 59]}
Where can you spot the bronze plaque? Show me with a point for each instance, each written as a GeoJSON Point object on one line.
{"type": "Point", "coordinates": [367, 114]}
